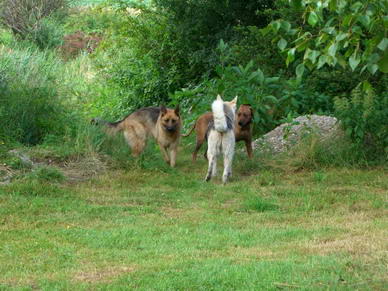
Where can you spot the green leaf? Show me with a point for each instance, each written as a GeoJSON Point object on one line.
{"type": "Point", "coordinates": [372, 68]}
{"type": "Point", "coordinates": [313, 19]}
{"type": "Point", "coordinates": [282, 43]}
{"type": "Point", "coordinates": [329, 30]}
{"type": "Point", "coordinates": [367, 87]}
{"type": "Point", "coordinates": [311, 55]}
{"type": "Point", "coordinates": [290, 56]}
{"type": "Point", "coordinates": [383, 63]}
{"type": "Point", "coordinates": [296, 3]}
{"type": "Point", "coordinates": [341, 4]}
{"type": "Point", "coordinates": [260, 76]}
{"type": "Point", "coordinates": [322, 61]}
{"type": "Point", "coordinates": [341, 61]}
{"type": "Point", "coordinates": [321, 39]}
{"type": "Point", "coordinates": [292, 31]}
{"type": "Point", "coordinates": [275, 25]}
{"type": "Point", "coordinates": [332, 49]}
{"type": "Point", "coordinates": [266, 29]}
{"type": "Point", "coordinates": [383, 44]}
{"type": "Point", "coordinates": [365, 21]}
{"type": "Point", "coordinates": [357, 6]}
{"type": "Point", "coordinates": [354, 60]}
{"type": "Point", "coordinates": [286, 26]}
{"type": "Point", "coordinates": [341, 36]}
{"type": "Point", "coordinates": [347, 19]}
{"type": "Point", "coordinates": [299, 70]}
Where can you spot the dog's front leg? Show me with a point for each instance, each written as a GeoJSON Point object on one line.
{"type": "Point", "coordinates": [164, 153]}
{"type": "Point", "coordinates": [173, 152]}
{"type": "Point", "coordinates": [248, 145]}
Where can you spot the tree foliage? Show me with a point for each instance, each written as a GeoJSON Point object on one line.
{"type": "Point", "coordinates": [347, 33]}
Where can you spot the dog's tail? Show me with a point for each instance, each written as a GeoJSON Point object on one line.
{"type": "Point", "coordinates": [190, 131]}
{"type": "Point", "coordinates": [112, 126]}
{"type": "Point", "coordinates": [220, 123]}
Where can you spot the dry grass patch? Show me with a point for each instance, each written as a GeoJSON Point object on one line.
{"type": "Point", "coordinates": [102, 275]}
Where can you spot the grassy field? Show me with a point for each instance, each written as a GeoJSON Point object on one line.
{"type": "Point", "coordinates": [147, 226]}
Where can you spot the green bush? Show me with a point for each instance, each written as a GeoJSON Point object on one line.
{"type": "Point", "coordinates": [49, 34]}
{"type": "Point", "coordinates": [364, 117]}
{"type": "Point", "coordinates": [30, 105]}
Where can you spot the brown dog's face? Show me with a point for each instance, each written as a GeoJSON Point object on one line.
{"type": "Point", "coordinates": [244, 115]}
{"type": "Point", "coordinates": [170, 118]}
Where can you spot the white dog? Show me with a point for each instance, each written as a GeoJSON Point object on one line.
{"type": "Point", "coordinates": [221, 137]}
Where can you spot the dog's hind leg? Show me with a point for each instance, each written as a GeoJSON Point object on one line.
{"type": "Point", "coordinates": [205, 153]}
{"type": "Point", "coordinates": [228, 144]}
{"type": "Point", "coordinates": [136, 138]}
{"type": "Point", "coordinates": [213, 144]}
{"type": "Point", "coordinates": [198, 145]}
{"type": "Point", "coordinates": [212, 169]}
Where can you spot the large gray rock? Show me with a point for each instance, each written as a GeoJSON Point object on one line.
{"type": "Point", "coordinates": [288, 134]}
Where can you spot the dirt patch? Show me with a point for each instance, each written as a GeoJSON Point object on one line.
{"type": "Point", "coordinates": [105, 275]}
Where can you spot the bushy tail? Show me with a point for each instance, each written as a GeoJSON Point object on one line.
{"type": "Point", "coordinates": [112, 126]}
{"type": "Point", "coordinates": [190, 131]}
{"type": "Point", "coordinates": [220, 123]}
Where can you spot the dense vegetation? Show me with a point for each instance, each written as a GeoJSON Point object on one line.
{"type": "Point", "coordinates": [78, 212]}
{"type": "Point", "coordinates": [286, 58]}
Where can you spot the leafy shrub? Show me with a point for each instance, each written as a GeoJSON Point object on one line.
{"type": "Point", "coordinates": [364, 117]}
{"type": "Point", "coordinates": [155, 51]}
{"type": "Point", "coordinates": [30, 106]}
{"type": "Point", "coordinates": [48, 34]}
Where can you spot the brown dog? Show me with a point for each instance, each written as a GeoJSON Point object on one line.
{"type": "Point", "coordinates": [162, 123]}
{"type": "Point", "coordinates": [242, 129]}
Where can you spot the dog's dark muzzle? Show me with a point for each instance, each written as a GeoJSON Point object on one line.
{"type": "Point", "coordinates": [243, 123]}
{"type": "Point", "coordinates": [170, 128]}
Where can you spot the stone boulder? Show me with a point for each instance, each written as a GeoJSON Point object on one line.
{"type": "Point", "coordinates": [289, 134]}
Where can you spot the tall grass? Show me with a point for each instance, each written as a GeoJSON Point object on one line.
{"type": "Point", "coordinates": [30, 106]}
{"type": "Point", "coordinates": [41, 96]}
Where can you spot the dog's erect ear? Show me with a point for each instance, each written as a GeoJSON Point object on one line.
{"type": "Point", "coordinates": [176, 110]}
{"type": "Point", "coordinates": [163, 109]}
{"type": "Point", "coordinates": [219, 97]}
{"type": "Point", "coordinates": [234, 100]}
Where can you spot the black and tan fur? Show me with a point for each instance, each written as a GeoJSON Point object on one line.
{"type": "Point", "coordinates": [161, 123]}
{"type": "Point", "coordinates": [242, 129]}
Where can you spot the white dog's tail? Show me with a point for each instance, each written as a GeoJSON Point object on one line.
{"type": "Point", "coordinates": [220, 123]}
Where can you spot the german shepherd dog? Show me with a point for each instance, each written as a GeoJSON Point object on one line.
{"type": "Point", "coordinates": [242, 129]}
{"type": "Point", "coordinates": [221, 137]}
{"type": "Point", "coordinates": [162, 123]}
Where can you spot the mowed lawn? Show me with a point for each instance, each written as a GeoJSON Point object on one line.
{"type": "Point", "coordinates": [151, 227]}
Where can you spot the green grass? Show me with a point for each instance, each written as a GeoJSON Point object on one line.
{"type": "Point", "coordinates": [143, 225]}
